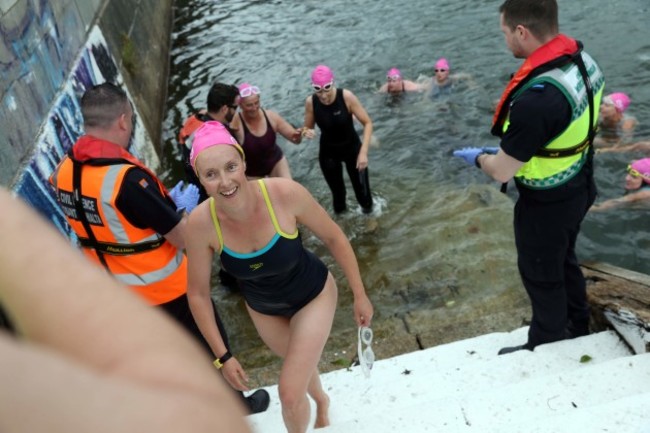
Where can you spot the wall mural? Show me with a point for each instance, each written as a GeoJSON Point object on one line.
{"type": "Point", "coordinates": [64, 126]}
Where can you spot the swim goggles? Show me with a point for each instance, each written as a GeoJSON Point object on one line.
{"type": "Point", "coordinates": [440, 70]}
{"type": "Point", "coordinates": [324, 88]}
{"type": "Point", "coordinates": [248, 91]}
{"type": "Point", "coordinates": [366, 356]}
{"type": "Point", "coordinates": [394, 77]}
{"type": "Point", "coordinates": [634, 173]}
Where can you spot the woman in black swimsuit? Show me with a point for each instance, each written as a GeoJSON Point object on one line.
{"type": "Point", "coordinates": [333, 110]}
{"type": "Point", "coordinates": [290, 294]}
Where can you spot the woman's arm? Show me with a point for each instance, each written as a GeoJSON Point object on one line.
{"type": "Point", "coordinates": [309, 213]}
{"type": "Point", "coordinates": [284, 128]}
{"type": "Point", "coordinates": [309, 122]}
{"type": "Point", "coordinates": [357, 110]}
{"type": "Point", "coordinates": [626, 199]}
{"type": "Point", "coordinates": [201, 243]}
{"type": "Point", "coordinates": [237, 128]}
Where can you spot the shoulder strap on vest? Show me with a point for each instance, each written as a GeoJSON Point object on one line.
{"type": "Point", "coordinates": [76, 194]}
{"type": "Point", "coordinates": [580, 147]}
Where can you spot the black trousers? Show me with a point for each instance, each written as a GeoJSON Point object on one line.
{"type": "Point", "coordinates": [179, 309]}
{"type": "Point", "coordinates": [545, 237]}
{"type": "Point", "coordinates": [332, 168]}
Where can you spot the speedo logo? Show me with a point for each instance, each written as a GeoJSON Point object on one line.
{"type": "Point", "coordinates": [256, 266]}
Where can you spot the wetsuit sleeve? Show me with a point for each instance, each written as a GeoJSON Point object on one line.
{"type": "Point", "coordinates": [144, 205]}
{"type": "Point", "coordinates": [537, 116]}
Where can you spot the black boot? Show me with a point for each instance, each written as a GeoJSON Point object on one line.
{"type": "Point", "coordinates": [578, 329]}
{"type": "Point", "coordinates": [507, 350]}
{"type": "Point", "coordinates": [257, 402]}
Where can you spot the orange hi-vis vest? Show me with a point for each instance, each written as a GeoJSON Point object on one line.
{"type": "Point", "coordinates": [139, 258]}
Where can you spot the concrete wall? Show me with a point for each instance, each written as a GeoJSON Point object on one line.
{"type": "Point", "coordinates": [51, 51]}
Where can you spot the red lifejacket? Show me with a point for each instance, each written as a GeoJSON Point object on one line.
{"type": "Point", "coordinates": [558, 50]}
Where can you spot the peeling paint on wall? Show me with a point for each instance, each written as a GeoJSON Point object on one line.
{"type": "Point", "coordinates": [64, 125]}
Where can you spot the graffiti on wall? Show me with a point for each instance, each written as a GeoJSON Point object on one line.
{"type": "Point", "coordinates": [64, 125]}
{"type": "Point", "coordinates": [35, 56]}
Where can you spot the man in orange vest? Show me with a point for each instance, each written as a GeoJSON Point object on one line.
{"type": "Point", "coordinates": [124, 217]}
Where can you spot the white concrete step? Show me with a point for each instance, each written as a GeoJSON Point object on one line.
{"type": "Point", "coordinates": [465, 386]}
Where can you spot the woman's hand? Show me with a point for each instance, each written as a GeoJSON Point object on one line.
{"type": "Point", "coordinates": [362, 161]}
{"type": "Point", "coordinates": [296, 137]}
{"type": "Point", "coordinates": [308, 133]}
{"type": "Point", "coordinates": [235, 374]}
{"type": "Point", "coordinates": [363, 310]}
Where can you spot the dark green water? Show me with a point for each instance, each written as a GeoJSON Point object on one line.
{"type": "Point", "coordinates": [444, 233]}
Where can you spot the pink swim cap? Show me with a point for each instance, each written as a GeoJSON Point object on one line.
{"type": "Point", "coordinates": [211, 133]}
{"type": "Point", "coordinates": [322, 75]}
{"type": "Point", "coordinates": [442, 63]}
{"type": "Point", "coordinates": [246, 89]}
{"type": "Point", "coordinates": [619, 99]}
{"type": "Point", "coordinates": [643, 167]}
{"type": "Point", "coordinates": [393, 72]}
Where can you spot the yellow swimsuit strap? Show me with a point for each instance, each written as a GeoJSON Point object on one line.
{"type": "Point", "coordinates": [269, 206]}
{"type": "Point", "coordinates": [215, 221]}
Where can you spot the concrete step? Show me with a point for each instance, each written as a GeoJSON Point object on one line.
{"type": "Point", "coordinates": [457, 369]}
{"type": "Point", "coordinates": [457, 385]}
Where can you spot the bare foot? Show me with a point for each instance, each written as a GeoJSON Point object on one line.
{"type": "Point", "coordinates": [322, 412]}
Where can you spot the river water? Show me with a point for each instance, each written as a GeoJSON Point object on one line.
{"type": "Point", "coordinates": [441, 236]}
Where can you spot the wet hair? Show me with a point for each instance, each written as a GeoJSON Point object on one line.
{"type": "Point", "coordinates": [540, 17]}
{"type": "Point", "coordinates": [102, 104]}
{"type": "Point", "coordinates": [221, 94]}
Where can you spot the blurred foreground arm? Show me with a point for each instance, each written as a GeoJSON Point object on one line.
{"type": "Point", "coordinates": [88, 349]}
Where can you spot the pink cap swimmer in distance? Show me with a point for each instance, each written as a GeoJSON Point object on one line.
{"type": "Point", "coordinates": [442, 63]}
{"type": "Point", "coordinates": [393, 72]}
{"type": "Point", "coordinates": [211, 133]}
{"type": "Point", "coordinates": [643, 167]}
{"type": "Point", "coordinates": [619, 99]}
{"type": "Point", "coordinates": [322, 75]}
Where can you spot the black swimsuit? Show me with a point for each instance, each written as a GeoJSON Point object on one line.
{"type": "Point", "coordinates": [340, 144]}
{"type": "Point", "coordinates": [280, 278]}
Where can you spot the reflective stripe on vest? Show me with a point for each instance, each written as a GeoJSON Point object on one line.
{"type": "Point", "coordinates": [549, 170]}
{"type": "Point", "coordinates": [154, 276]}
{"type": "Point", "coordinates": [157, 274]}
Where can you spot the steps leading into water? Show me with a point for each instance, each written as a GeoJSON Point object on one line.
{"type": "Point", "coordinates": [588, 384]}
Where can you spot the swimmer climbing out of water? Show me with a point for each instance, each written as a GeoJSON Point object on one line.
{"type": "Point", "coordinates": [256, 129]}
{"type": "Point", "coordinates": [334, 111]}
{"type": "Point", "coordinates": [290, 294]}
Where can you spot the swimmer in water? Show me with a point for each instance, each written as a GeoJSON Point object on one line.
{"type": "Point", "coordinates": [396, 85]}
{"type": "Point", "coordinates": [637, 186]}
{"type": "Point", "coordinates": [444, 81]}
{"type": "Point", "coordinates": [615, 125]}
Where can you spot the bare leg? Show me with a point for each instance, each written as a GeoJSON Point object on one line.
{"type": "Point", "coordinates": [315, 390]}
{"type": "Point", "coordinates": [300, 342]}
{"type": "Point", "coordinates": [281, 169]}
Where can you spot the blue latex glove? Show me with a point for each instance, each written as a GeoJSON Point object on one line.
{"type": "Point", "coordinates": [490, 150]}
{"type": "Point", "coordinates": [186, 199]}
{"type": "Point", "coordinates": [469, 154]}
{"type": "Point", "coordinates": [175, 192]}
